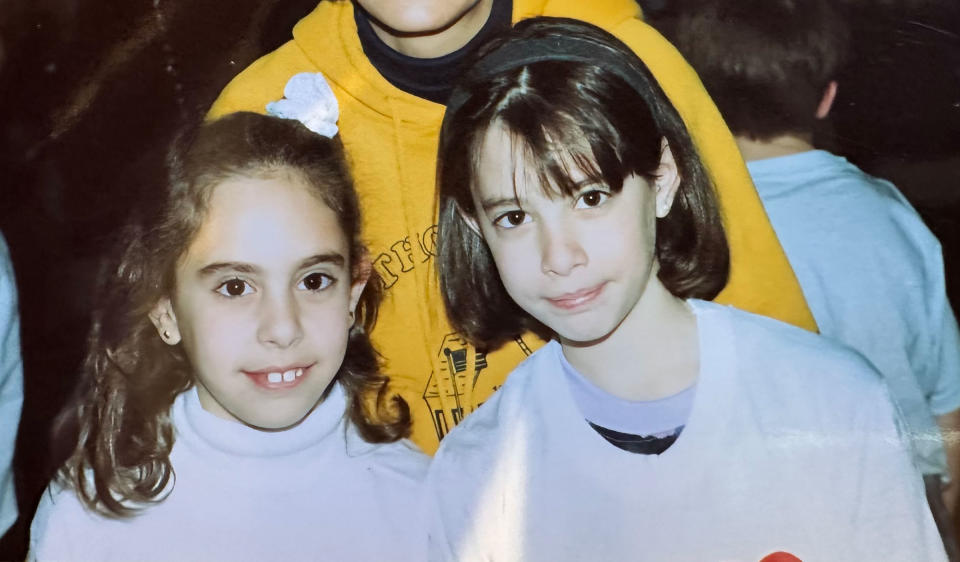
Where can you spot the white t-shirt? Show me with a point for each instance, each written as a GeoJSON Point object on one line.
{"type": "Point", "coordinates": [791, 446]}
{"type": "Point", "coordinates": [872, 274]}
{"type": "Point", "coordinates": [313, 492]}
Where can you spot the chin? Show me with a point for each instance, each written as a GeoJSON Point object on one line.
{"type": "Point", "coordinates": [574, 333]}
{"type": "Point", "coordinates": [419, 23]}
{"type": "Point", "coordinates": [416, 17]}
{"type": "Point", "coordinates": [584, 339]}
{"type": "Point", "coordinates": [274, 422]}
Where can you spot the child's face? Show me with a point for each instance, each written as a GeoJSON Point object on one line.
{"type": "Point", "coordinates": [263, 302]}
{"type": "Point", "coordinates": [579, 264]}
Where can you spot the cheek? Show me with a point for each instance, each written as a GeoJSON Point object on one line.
{"type": "Point", "coordinates": [517, 263]}
{"type": "Point", "coordinates": [212, 340]}
{"type": "Point", "coordinates": [327, 323]}
{"type": "Point", "coordinates": [630, 236]}
{"type": "Point", "coordinates": [327, 341]}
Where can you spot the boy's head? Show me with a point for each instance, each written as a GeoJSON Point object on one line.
{"type": "Point", "coordinates": [768, 64]}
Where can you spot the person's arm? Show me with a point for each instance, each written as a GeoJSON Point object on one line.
{"type": "Point", "coordinates": [11, 386]}
{"type": "Point", "coordinates": [950, 429]}
{"type": "Point", "coordinates": [894, 520]}
{"type": "Point", "coordinates": [939, 363]}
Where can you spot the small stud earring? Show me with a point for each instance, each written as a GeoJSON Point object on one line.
{"type": "Point", "coordinates": [166, 335]}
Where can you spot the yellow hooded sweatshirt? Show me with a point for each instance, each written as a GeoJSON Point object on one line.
{"type": "Point", "coordinates": [391, 139]}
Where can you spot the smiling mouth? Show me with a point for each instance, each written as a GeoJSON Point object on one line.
{"type": "Point", "coordinates": [278, 378]}
{"type": "Point", "coordinates": [577, 299]}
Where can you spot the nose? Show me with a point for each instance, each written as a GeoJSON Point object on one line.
{"type": "Point", "coordinates": [560, 249]}
{"type": "Point", "coordinates": [279, 321]}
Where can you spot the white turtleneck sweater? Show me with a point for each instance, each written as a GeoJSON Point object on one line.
{"type": "Point", "coordinates": [314, 492]}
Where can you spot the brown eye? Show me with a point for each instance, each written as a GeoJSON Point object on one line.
{"type": "Point", "coordinates": [234, 288]}
{"type": "Point", "coordinates": [317, 282]}
{"type": "Point", "coordinates": [593, 198]}
{"type": "Point", "coordinates": [511, 219]}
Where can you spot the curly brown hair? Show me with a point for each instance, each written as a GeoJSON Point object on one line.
{"type": "Point", "coordinates": [120, 412]}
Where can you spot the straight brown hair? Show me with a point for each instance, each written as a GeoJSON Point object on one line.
{"type": "Point", "coordinates": [622, 114]}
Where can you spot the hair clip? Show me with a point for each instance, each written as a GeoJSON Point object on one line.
{"type": "Point", "coordinates": [309, 99]}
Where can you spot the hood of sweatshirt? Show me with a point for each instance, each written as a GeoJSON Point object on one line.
{"type": "Point", "coordinates": [332, 29]}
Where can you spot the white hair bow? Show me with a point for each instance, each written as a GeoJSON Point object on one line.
{"type": "Point", "coordinates": [308, 98]}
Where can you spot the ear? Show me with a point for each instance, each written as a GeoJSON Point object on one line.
{"type": "Point", "coordinates": [826, 102]}
{"type": "Point", "coordinates": [667, 180]}
{"type": "Point", "coordinates": [362, 270]}
{"type": "Point", "coordinates": [165, 321]}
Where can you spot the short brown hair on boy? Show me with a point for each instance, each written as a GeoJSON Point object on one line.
{"type": "Point", "coordinates": [766, 63]}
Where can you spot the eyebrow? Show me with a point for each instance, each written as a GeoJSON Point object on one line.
{"type": "Point", "coordinates": [490, 204]}
{"type": "Point", "coordinates": [495, 203]}
{"type": "Point", "coordinates": [333, 258]}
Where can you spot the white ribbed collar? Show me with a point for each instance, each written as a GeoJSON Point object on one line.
{"type": "Point", "coordinates": [233, 438]}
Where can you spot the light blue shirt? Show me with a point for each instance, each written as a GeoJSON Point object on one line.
{"type": "Point", "coordinates": [872, 274]}
{"type": "Point", "coordinates": [11, 386]}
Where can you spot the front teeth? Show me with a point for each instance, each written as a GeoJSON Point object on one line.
{"type": "Point", "coordinates": [286, 376]}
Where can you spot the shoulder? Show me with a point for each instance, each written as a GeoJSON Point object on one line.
{"type": "Point", "coordinates": [876, 201]}
{"type": "Point", "coordinates": [789, 380]}
{"type": "Point", "coordinates": [474, 464]}
{"type": "Point", "coordinates": [602, 13]}
{"type": "Point", "coordinates": [263, 81]}
{"type": "Point", "coordinates": [484, 431]}
{"type": "Point", "coordinates": [830, 182]}
{"type": "Point", "coordinates": [511, 398]}
{"type": "Point", "coordinates": [58, 503]}
{"type": "Point", "coordinates": [401, 461]}
{"type": "Point", "coordinates": [63, 528]}
{"type": "Point", "coordinates": [772, 353]}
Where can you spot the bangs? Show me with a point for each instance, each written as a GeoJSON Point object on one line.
{"type": "Point", "coordinates": [564, 146]}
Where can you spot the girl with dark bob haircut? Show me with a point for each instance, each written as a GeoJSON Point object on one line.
{"type": "Point", "coordinates": [230, 383]}
{"type": "Point", "coordinates": [611, 129]}
{"type": "Point", "coordinates": [653, 424]}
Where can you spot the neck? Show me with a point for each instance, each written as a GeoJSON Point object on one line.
{"type": "Point", "coordinates": [439, 42]}
{"type": "Point", "coordinates": [652, 354]}
{"type": "Point", "coordinates": [782, 145]}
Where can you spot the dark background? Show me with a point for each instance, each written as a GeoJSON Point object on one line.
{"type": "Point", "coordinates": [91, 91]}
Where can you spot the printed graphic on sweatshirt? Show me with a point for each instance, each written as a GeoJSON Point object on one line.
{"type": "Point", "coordinates": [449, 391]}
{"type": "Point", "coordinates": [403, 255]}
{"type": "Point", "coordinates": [457, 388]}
